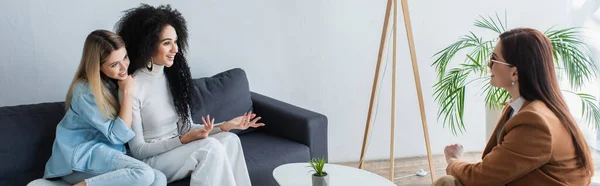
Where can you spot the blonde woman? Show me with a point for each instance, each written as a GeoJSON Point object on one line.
{"type": "Point", "coordinates": [89, 146]}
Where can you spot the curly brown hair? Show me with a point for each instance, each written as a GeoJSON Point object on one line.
{"type": "Point", "coordinates": [140, 28]}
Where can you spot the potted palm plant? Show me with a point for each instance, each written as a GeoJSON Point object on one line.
{"type": "Point", "coordinates": [572, 57]}
{"type": "Point", "coordinates": [320, 177]}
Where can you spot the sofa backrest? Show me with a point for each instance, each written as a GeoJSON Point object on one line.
{"type": "Point", "coordinates": [224, 96]}
{"type": "Point", "coordinates": [27, 131]}
{"type": "Point", "coordinates": [26, 136]}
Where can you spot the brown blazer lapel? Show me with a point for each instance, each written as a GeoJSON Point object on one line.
{"type": "Point", "coordinates": [492, 142]}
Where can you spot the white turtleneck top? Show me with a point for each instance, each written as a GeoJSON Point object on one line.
{"type": "Point", "coordinates": [154, 116]}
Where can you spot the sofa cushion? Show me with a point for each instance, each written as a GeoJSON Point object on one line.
{"type": "Point", "coordinates": [224, 96]}
{"type": "Point", "coordinates": [264, 153]}
{"type": "Point", "coordinates": [27, 133]}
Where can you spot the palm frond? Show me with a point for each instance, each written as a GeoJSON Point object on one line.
{"type": "Point", "coordinates": [494, 97]}
{"type": "Point", "coordinates": [478, 50]}
{"type": "Point", "coordinates": [449, 93]}
{"type": "Point", "coordinates": [572, 56]}
{"type": "Point", "coordinates": [480, 55]}
{"type": "Point", "coordinates": [590, 111]}
{"type": "Point", "coordinates": [496, 25]}
{"type": "Point", "coordinates": [445, 56]}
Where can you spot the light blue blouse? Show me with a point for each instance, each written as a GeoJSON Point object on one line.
{"type": "Point", "coordinates": [86, 141]}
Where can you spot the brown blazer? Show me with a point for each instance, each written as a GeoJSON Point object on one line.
{"type": "Point", "coordinates": [534, 149]}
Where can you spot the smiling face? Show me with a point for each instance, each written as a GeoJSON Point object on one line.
{"type": "Point", "coordinates": [116, 64]}
{"type": "Point", "coordinates": [503, 74]}
{"type": "Point", "coordinates": [167, 47]}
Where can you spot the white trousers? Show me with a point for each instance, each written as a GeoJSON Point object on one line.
{"type": "Point", "coordinates": [214, 161]}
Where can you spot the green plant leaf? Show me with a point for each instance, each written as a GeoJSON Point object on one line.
{"type": "Point", "coordinates": [445, 55]}
{"type": "Point", "coordinates": [571, 56]}
{"type": "Point", "coordinates": [495, 98]}
{"type": "Point", "coordinates": [450, 93]}
{"type": "Point", "coordinates": [317, 165]}
{"type": "Point", "coordinates": [479, 56]}
{"type": "Point", "coordinates": [590, 111]}
{"type": "Point", "coordinates": [495, 25]}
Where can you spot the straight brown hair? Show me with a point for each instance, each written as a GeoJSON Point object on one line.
{"type": "Point", "coordinates": [531, 52]}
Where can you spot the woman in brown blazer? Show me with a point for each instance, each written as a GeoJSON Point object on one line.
{"type": "Point", "coordinates": [536, 141]}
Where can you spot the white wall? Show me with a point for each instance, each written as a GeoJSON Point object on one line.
{"type": "Point", "coordinates": [317, 54]}
{"type": "Point", "coordinates": [586, 13]}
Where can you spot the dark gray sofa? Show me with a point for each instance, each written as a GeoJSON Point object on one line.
{"type": "Point", "coordinates": [291, 134]}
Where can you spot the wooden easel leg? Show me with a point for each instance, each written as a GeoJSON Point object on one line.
{"type": "Point", "coordinates": [393, 119]}
{"type": "Point", "coordinates": [415, 65]}
{"type": "Point", "coordinates": [375, 83]}
{"type": "Point", "coordinates": [376, 86]}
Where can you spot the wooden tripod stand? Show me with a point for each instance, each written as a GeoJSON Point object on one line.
{"type": "Point", "coordinates": [376, 85]}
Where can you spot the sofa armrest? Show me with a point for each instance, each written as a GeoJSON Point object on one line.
{"type": "Point", "coordinates": [293, 123]}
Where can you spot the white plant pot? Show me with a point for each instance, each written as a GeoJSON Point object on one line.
{"type": "Point", "coordinates": [320, 180]}
{"type": "Point", "coordinates": [492, 116]}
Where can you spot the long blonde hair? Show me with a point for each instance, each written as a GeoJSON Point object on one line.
{"type": "Point", "coordinates": [98, 46]}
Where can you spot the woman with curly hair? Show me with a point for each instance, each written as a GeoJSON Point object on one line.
{"type": "Point", "coordinates": [166, 138]}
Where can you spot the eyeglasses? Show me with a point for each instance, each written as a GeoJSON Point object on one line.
{"type": "Point", "coordinates": [492, 61]}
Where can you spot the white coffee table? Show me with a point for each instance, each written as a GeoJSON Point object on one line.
{"type": "Point", "coordinates": [297, 174]}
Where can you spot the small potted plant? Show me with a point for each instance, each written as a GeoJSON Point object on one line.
{"type": "Point", "coordinates": [320, 177]}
